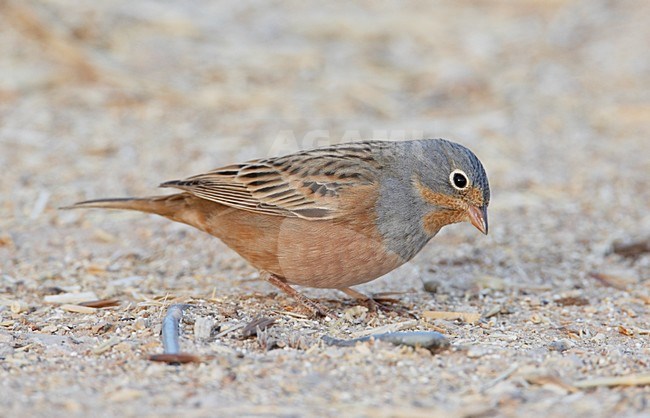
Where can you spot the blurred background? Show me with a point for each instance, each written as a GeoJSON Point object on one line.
{"type": "Point", "coordinates": [151, 90]}
{"type": "Point", "coordinates": [110, 98]}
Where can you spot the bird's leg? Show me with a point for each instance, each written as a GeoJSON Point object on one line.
{"type": "Point", "coordinates": [372, 305]}
{"type": "Point", "coordinates": [282, 285]}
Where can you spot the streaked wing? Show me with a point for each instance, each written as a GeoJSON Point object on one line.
{"type": "Point", "coordinates": [308, 184]}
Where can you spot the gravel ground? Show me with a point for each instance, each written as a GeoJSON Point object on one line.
{"type": "Point", "coordinates": [110, 98]}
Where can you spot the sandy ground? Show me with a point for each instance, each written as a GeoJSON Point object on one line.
{"type": "Point", "coordinates": [110, 98]}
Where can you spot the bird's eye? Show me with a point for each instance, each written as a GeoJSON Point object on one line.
{"type": "Point", "coordinates": [458, 179]}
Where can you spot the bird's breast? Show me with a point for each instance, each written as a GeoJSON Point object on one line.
{"type": "Point", "coordinates": [323, 253]}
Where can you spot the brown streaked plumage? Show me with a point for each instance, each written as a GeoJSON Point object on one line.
{"type": "Point", "coordinates": [332, 217]}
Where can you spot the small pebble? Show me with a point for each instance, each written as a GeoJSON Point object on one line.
{"type": "Point", "coordinates": [431, 286]}
{"type": "Point", "coordinates": [49, 329]}
{"type": "Point", "coordinates": [19, 306]}
{"type": "Point", "coordinates": [139, 324]}
{"type": "Point", "coordinates": [203, 326]}
{"type": "Point", "coordinates": [476, 352]}
{"type": "Point", "coordinates": [560, 345]}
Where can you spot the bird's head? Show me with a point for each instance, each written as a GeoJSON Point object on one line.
{"type": "Point", "coordinates": [452, 182]}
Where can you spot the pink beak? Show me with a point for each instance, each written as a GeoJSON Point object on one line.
{"type": "Point", "coordinates": [478, 218]}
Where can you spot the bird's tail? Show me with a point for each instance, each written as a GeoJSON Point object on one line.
{"type": "Point", "coordinates": [176, 206]}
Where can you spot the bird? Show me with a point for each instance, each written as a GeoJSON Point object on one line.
{"type": "Point", "coordinates": [330, 217]}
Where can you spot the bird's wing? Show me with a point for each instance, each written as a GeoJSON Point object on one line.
{"type": "Point", "coordinates": [308, 184]}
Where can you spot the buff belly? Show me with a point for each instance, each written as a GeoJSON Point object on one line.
{"type": "Point", "coordinates": [322, 253]}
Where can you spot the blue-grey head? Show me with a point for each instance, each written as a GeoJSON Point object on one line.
{"type": "Point", "coordinates": [452, 181]}
{"type": "Point", "coordinates": [427, 185]}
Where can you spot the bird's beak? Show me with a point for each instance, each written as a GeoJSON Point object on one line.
{"type": "Point", "coordinates": [478, 217]}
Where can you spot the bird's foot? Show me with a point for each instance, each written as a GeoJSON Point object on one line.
{"type": "Point", "coordinates": [373, 305]}
{"type": "Point", "coordinates": [312, 305]}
